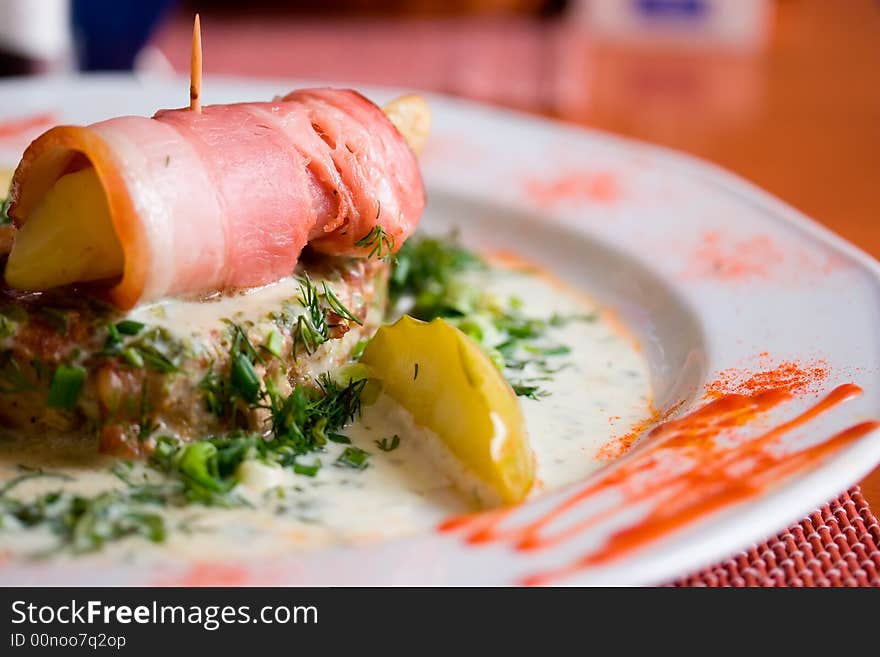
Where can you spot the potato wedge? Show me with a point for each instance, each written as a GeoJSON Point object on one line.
{"type": "Point", "coordinates": [451, 387]}
{"type": "Point", "coordinates": [411, 115]}
{"type": "Point", "coordinates": [68, 238]}
{"type": "Point", "coordinates": [5, 180]}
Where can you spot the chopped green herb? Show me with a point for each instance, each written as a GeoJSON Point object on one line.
{"type": "Point", "coordinates": [241, 344]}
{"type": "Point", "coordinates": [430, 279]}
{"type": "Point", "coordinates": [428, 271]}
{"type": "Point", "coordinates": [305, 419]}
{"type": "Point", "coordinates": [337, 307]}
{"type": "Point", "coordinates": [205, 468]}
{"type": "Point", "coordinates": [66, 385]}
{"type": "Point", "coordinates": [557, 320]}
{"type": "Point", "coordinates": [216, 392]}
{"type": "Point", "coordinates": [129, 327]}
{"type": "Point", "coordinates": [56, 318]}
{"type": "Point", "coordinates": [133, 357]}
{"type": "Point", "coordinates": [31, 473]}
{"type": "Point", "coordinates": [557, 350]}
{"type": "Point", "coordinates": [388, 444]}
{"type": "Point", "coordinates": [353, 457]}
{"type": "Point", "coordinates": [244, 378]}
{"type": "Point", "coordinates": [380, 243]}
{"type": "Point", "coordinates": [358, 350]}
{"type": "Point", "coordinates": [199, 463]}
{"type": "Point", "coordinates": [8, 326]}
{"type": "Point", "coordinates": [302, 422]}
{"type": "Point", "coordinates": [156, 359]}
{"type": "Point", "coordinates": [307, 470]}
{"type": "Point", "coordinates": [146, 424]}
{"type": "Point", "coordinates": [338, 438]}
{"type": "Point", "coordinates": [274, 343]}
{"type": "Point", "coordinates": [12, 378]}
{"type": "Point", "coordinates": [114, 338]}
{"type": "Point", "coordinates": [528, 391]}
{"type": "Point", "coordinates": [312, 328]}
{"type": "Point", "coordinates": [5, 219]}
{"type": "Point", "coordinates": [242, 382]}
{"type": "Point", "coordinates": [84, 524]}
{"type": "Point", "coordinates": [155, 348]}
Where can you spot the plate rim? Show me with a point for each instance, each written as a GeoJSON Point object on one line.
{"type": "Point", "coordinates": [694, 167]}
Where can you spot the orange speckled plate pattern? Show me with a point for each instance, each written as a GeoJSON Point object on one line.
{"type": "Point", "coordinates": [761, 330]}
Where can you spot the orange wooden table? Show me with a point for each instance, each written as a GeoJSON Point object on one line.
{"type": "Point", "coordinates": [801, 118]}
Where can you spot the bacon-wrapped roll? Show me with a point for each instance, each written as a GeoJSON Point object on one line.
{"type": "Point", "coordinates": [192, 203]}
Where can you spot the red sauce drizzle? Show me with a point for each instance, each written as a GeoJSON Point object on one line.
{"type": "Point", "coordinates": [683, 470]}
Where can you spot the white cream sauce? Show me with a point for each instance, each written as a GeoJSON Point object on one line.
{"type": "Point", "coordinates": [194, 318]}
{"type": "Point", "coordinates": [602, 391]}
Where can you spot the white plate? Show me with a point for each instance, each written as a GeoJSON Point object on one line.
{"type": "Point", "coordinates": [718, 280]}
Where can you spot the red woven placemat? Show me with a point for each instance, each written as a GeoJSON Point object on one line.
{"type": "Point", "coordinates": [838, 545]}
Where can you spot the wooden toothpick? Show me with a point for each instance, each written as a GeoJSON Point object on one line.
{"type": "Point", "coordinates": [195, 69]}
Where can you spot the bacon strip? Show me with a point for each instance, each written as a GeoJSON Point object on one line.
{"type": "Point", "coordinates": [227, 198]}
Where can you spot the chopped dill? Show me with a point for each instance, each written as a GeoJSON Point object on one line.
{"type": "Point", "coordinates": [529, 391]}
{"type": "Point", "coordinates": [155, 348]}
{"type": "Point", "coordinates": [380, 243]}
{"type": "Point", "coordinates": [85, 523]}
{"type": "Point", "coordinates": [337, 307]}
{"type": "Point", "coordinates": [388, 444]}
{"type": "Point", "coordinates": [314, 327]}
{"type": "Point", "coordinates": [31, 473]}
{"type": "Point", "coordinates": [301, 423]}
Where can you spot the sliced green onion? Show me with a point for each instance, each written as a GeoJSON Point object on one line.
{"type": "Point", "coordinates": [67, 383]}
{"type": "Point", "coordinates": [133, 357]}
{"type": "Point", "coordinates": [353, 457]}
{"type": "Point", "coordinates": [359, 349]}
{"type": "Point", "coordinates": [274, 343]}
{"type": "Point", "coordinates": [129, 327]}
{"type": "Point", "coordinates": [199, 462]}
{"type": "Point", "coordinates": [307, 470]}
{"type": "Point", "coordinates": [113, 338]}
{"type": "Point", "coordinates": [244, 378]}
{"type": "Point", "coordinates": [158, 361]}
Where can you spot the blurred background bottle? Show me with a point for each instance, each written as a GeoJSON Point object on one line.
{"type": "Point", "coordinates": [46, 36]}
{"type": "Point", "coordinates": [35, 37]}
